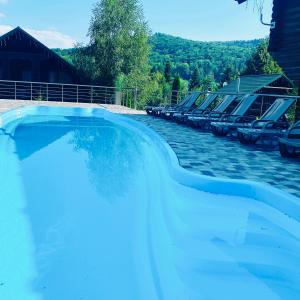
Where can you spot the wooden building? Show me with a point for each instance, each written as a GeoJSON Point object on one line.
{"type": "Point", "coordinates": [23, 58]}
{"type": "Point", "coordinates": [285, 39]}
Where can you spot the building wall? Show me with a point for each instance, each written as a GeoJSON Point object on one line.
{"type": "Point", "coordinates": [284, 38]}
{"type": "Point", "coordinates": [33, 67]}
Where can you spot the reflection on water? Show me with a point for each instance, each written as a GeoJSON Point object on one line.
{"type": "Point", "coordinates": [82, 179]}
{"type": "Point", "coordinates": [31, 138]}
{"type": "Point", "coordinates": [112, 153]}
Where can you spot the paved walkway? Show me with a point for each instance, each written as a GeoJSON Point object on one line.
{"type": "Point", "coordinates": [203, 153]}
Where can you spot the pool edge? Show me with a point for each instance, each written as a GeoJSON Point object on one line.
{"type": "Point", "coordinates": [274, 197]}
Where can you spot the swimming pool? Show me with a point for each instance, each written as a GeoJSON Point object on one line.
{"type": "Point", "coordinates": [95, 206]}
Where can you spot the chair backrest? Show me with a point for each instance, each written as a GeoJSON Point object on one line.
{"type": "Point", "coordinates": [206, 103]}
{"type": "Point", "coordinates": [184, 100]}
{"type": "Point", "coordinates": [278, 109]}
{"type": "Point", "coordinates": [227, 101]}
{"type": "Point", "coordinates": [192, 99]}
{"type": "Point", "coordinates": [244, 105]}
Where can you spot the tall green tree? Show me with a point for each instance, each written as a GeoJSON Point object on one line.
{"type": "Point", "coordinates": [176, 86]}
{"type": "Point", "coordinates": [84, 63]}
{"type": "Point", "coordinates": [229, 74]}
{"type": "Point", "coordinates": [208, 83]}
{"type": "Point", "coordinates": [261, 62]}
{"type": "Point", "coordinates": [176, 83]}
{"type": "Point", "coordinates": [183, 70]}
{"type": "Point", "coordinates": [168, 72]}
{"type": "Point", "coordinates": [195, 80]}
{"type": "Point", "coordinates": [118, 39]}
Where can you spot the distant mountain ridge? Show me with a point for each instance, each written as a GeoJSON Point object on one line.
{"type": "Point", "coordinates": [212, 58]}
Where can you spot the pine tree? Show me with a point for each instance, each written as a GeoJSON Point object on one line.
{"type": "Point", "coordinates": [176, 89]}
{"type": "Point", "coordinates": [262, 62]}
{"type": "Point", "coordinates": [195, 80]}
{"type": "Point", "coordinates": [168, 72]}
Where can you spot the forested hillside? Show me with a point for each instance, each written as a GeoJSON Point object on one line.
{"type": "Point", "coordinates": [212, 58]}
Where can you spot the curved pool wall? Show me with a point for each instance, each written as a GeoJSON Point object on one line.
{"type": "Point", "coordinates": [196, 237]}
{"type": "Point", "coordinates": [274, 197]}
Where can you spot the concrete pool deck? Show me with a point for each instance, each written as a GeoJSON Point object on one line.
{"type": "Point", "coordinates": [205, 154]}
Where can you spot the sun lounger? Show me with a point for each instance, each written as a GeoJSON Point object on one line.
{"type": "Point", "coordinates": [206, 118]}
{"type": "Point", "coordinates": [185, 107]}
{"type": "Point", "coordinates": [203, 107]}
{"type": "Point", "coordinates": [289, 145]}
{"type": "Point", "coordinates": [270, 127]}
{"type": "Point", "coordinates": [156, 110]}
{"type": "Point", "coordinates": [150, 108]}
{"type": "Point", "coordinates": [239, 118]}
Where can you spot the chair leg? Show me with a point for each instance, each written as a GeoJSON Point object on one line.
{"type": "Point", "coordinates": [219, 131]}
{"type": "Point", "coordinates": [288, 151]}
{"type": "Point", "coordinates": [247, 139]}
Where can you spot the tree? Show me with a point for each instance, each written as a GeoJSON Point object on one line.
{"type": "Point", "coordinates": [84, 63]}
{"type": "Point", "coordinates": [209, 84]}
{"type": "Point", "coordinates": [229, 75]}
{"type": "Point", "coordinates": [168, 72]}
{"type": "Point", "coordinates": [261, 62]}
{"type": "Point", "coordinates": [176, 83]}
{"type": "Point", "coordinates": [118, 39]}
{"type": "Point", "coordinates": [195, 80]}
{"type": "Point", "coordinates": [175, 89]}
{"type": "Point", "coordinates": [183, 70]}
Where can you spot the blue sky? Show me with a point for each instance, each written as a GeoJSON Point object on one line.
{"type": "Point", "coordinates": [60, 23]}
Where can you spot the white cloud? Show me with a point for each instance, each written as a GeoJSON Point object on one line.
{"type": "Point", "coordinates": [5, 28]}
{"type": "Point", "coordinates": [51, 38]}
{"type": "Point", "coordinates": [3, 1]}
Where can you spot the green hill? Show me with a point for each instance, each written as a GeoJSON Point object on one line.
{"type": "Point", "coordinates": [212, 58]}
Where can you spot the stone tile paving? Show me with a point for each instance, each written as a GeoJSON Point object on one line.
{"type": "Point", "coordinates": [203, 153]}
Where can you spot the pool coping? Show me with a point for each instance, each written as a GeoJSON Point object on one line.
{"type": "Point", "coordinates": [276, 198]}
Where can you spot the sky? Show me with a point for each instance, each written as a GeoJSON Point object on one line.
{"type": "Point", "coordinates": [62, 23]}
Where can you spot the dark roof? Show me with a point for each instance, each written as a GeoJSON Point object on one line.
{"type": "Point", "coordinates": [19, 34]}
{"type": "Point", "coordinates": [251, 84]}
{"type": "Point", "coordinates": [241, 1]}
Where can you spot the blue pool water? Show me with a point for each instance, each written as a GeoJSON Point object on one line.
{"type": "Point", "coordinates": [90, 210]}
